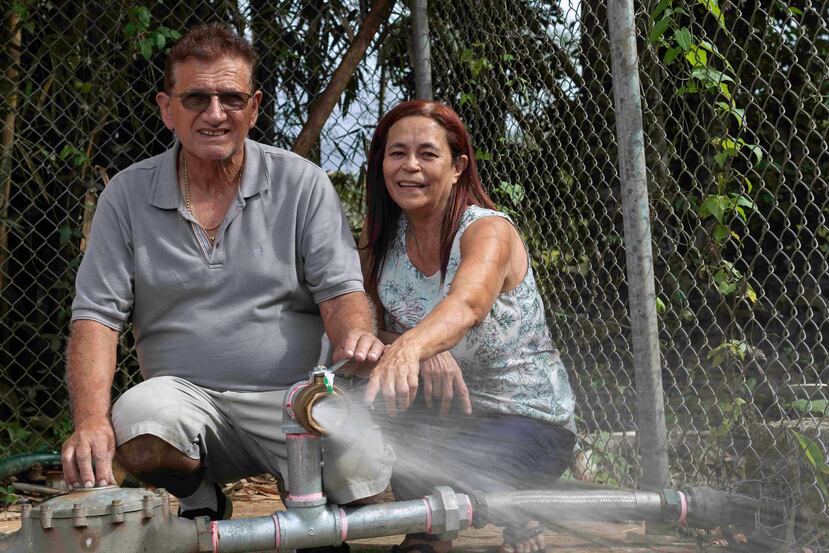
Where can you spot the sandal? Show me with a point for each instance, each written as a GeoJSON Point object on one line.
{"type": "Point", "coordinates": [516, 534]}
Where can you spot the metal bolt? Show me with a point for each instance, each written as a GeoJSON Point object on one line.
{"type": "Point", "coordinates": [446, 512]}
{"type": "Point", "coordinates": [79, 515]}
{"type": "Point", "coordinates": [26, 510]}
{"type": "Point", "coordinates": [117, 511]}
{"type": "Point", "coordinates": [147, 505]}
{"type": "Point", "coordinates": [46, 516]}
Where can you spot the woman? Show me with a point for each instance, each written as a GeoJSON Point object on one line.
{"type": "Point", "coordinates": [461, 313]}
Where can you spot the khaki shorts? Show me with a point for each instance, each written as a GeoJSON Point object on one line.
{"type": "Point", "coordinates": [239, 434]}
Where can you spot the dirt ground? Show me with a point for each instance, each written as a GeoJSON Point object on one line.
{"type": "Point", "coordinates": [259, 496]}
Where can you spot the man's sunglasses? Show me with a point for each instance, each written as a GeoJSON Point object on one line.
{"type": "Point", "coordinates": [197, 100]}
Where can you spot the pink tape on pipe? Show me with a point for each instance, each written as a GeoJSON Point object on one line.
{"type": "Point", "coordinates": [303, 436]}
{"type": "Point", "coordinates": [683, 510]}
{"type": "Point", "coordinates": [344, 525]}
{"type": "Point", "coordinates": [428, 516]}
{"type": "Point", "coordinates": [214, 534]}
{"type": "Point", "coordinates": [306, 497]}
{"type": "Point", "coordinates": [469, 512]}
{"type": "Point", "coordinates": [278, 541]}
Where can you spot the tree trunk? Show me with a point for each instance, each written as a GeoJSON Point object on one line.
{"type": "Point", "coordinates": [309, 135]}
{"type": "Point", "coordinates": [14, 48]}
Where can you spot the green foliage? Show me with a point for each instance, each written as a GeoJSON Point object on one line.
{"type": "Point", "coordinates": [724, 208]}
{"type": "Point", "coordinates": [475, 62]}
{"type": "Point", "coordinates": [733, 349]}
{"type": "Point", "coordinates": [716, 84]}
{"type": "Point", "coordinates": [714, 8]}
{"type": "Point", "coordinates": [77, 156]}
{"type": "Point", "coordinates": [818, 407]}
{"type": "Point", "coordinates": [39, 432]}
{"type": "Point", "coordinates": [142, 37]}
{"type": "Point", "coordinates": [728, 280]}
{"type": "Point", "coordinates": [720, 206]}
{"type": "Point", "coordinates": [7, 495]}
{"type": "Point", "coordinates": [509, 198]}
{"type": "Point", "coordinates": [15, 432]}
{"type": "Point", "coordinates": [22, 12]}
{"type": "Point", "coordinates": [813, 452]}
{"type": "Point", "coordinates": [661, 307]}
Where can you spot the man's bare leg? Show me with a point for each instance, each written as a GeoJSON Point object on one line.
{"type": "Point", "coordinates": [154, 461]}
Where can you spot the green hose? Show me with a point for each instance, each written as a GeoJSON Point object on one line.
{"type": "Point", "coordinates": [9, 466]}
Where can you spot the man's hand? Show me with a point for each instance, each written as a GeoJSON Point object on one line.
{"type": "Point", "coordinates": [93, 440]}
{"type": "Point", "coordinates": [442, 378]}
{"type": "Point", "coordinates": [360, 346]}
{"type": "Point", "coordinates": [349, 325]}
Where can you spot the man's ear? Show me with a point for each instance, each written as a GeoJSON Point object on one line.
{"type": "Point", "coordinates": [256, 100]}
{"type": "Point", "coordinates": [164, 102]}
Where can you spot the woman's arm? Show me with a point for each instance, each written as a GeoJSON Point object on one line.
{"type": "Point", "coordinates": [493, 259]}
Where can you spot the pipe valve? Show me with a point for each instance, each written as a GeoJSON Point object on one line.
{"type": "Point", "coordinates": [307, 396]}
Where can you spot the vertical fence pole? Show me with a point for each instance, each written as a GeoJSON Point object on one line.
{"type": "Point", "coordinates": [420, 50]}
{"type": "Point", "coordinates": [650, 409]}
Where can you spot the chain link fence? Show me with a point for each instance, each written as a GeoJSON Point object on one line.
{"type": "Point", "coordinates": [78, 104]}
{"type": "Point", "coordinates": [735, 102]}
{"type": "Point", "coordinates": [736, 110]}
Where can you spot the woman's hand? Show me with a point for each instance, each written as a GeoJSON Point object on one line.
{"type": "Point", "coordinates": [395, 375]}
{"type": "Point", "coordinates": [442, 378]}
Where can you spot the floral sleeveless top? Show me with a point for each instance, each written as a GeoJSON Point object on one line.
{"type": "Point", "coordinates": [508, 360]}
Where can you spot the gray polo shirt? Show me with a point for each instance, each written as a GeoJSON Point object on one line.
{"type": "Point", "coordinates": [242, 316]}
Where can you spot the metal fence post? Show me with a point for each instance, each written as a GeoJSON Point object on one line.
{"type": "Point", "coordinates": [420, 50]}
{"type": "Point", "coordinates": [650, 411]}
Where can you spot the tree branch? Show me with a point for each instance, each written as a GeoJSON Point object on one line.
{"type": "Point", "coordinates": [325, 105]}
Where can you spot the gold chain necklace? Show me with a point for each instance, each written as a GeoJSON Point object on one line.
{"type": "Point", "coordinates": [189, 204]}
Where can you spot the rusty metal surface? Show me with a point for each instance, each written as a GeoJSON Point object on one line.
{"type": "Point", "coordinates": [98, 501]}
{"type": "Point", "coordinates": [108, 519]}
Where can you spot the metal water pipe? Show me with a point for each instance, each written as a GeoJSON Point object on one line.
{"type": "Point", "coordinates": [136, 521]}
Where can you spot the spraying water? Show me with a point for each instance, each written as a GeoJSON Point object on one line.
{"type": "Point", "coordinates": [433, 450]}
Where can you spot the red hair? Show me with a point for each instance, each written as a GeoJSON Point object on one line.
{"type": "Point", "coordinates": [383, 215]}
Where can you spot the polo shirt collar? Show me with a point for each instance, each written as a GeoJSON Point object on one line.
{"type": "Point", "coordinates": [255, 177]}
{"type": "Point", "coordinates": [165, 191]}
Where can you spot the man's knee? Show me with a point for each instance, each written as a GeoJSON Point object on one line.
{"type": "Point", "coordinates": [147, 454]}
{"type": "Point", "coordinates": [386, 496]}
{"type": "Point", "coordinates": [151, 416]}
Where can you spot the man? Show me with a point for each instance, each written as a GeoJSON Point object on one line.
{"type": "Point", "coordinates": [233, 259]}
